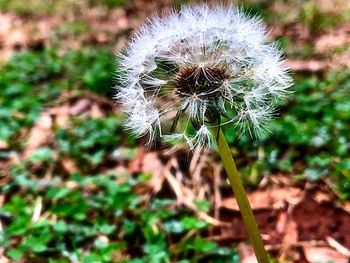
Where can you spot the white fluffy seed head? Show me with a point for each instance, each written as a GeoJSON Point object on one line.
{"type": "Point", "coordinates": [197, 68]}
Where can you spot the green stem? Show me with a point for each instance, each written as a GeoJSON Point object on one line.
{"type": "Point", "coordinates": [241, 197]}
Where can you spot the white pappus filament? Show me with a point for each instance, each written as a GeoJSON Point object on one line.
{"type": "Point", "coordinates": [197, 68]}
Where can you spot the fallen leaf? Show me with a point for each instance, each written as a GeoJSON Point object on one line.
{"type": "Point", "coordinates": [95, 111]}
{"type": "Point", "coordinates": [69, 165]}
{"type": "Point", "coordinates": [321, 197]}
{"type": "Point", "coordinates": [80, 106]}
{"type": "Point", "coordinates": [337, 246]}
{"type": "Point", "coordinates": [148, 162]}
{"type": "Point", "coordinates": [61, 114]}
{"type": "Point", "coordinates": [135, 165]}
{"type": "Point", "coordinates": [268, 199]}
{"type": "Point", "coordinates": [335, 38]}
{"type": "Point", "coordinates": [323, 254]}
{"type": "Point", "coordinates": [290, 239]}
{"type": "Point", "coordinates": [311, 65]}
{"type": "Point", "coordinates": [3, 145]}
{"type": "Point", "coordinates": [246, 253]}
{"type": "Point", "coordinates": [347, 206]}
{"type": "Point", "coordinates": [40, 134]}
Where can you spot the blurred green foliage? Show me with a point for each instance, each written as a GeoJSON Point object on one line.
{"type": "Point", "coordinates": [31, 81]}
{"type": "Point", "coordinates": [101, 211]}
{"type": "Point", "coordinates": [90, 140]}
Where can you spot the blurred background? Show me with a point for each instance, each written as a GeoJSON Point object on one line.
{"type": "Point", "coordinates": [76, 187]}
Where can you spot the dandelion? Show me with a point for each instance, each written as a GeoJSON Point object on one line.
{"type": "Point", "coordinates": [186, 75]}
{"type": "Point", "coordinates": [198, 68]}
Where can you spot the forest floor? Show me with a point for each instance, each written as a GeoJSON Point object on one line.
{"type": "Point", "coordinates": [60, 125]}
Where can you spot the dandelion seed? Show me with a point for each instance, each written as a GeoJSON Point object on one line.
{"type": "Point", "coordinates": [203, 137]}
{"type": "Point", "coordinates": [201, 67]}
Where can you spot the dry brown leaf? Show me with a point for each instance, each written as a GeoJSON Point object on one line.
{"type": "Point", "coordinates": [346, 206]}
{"type": "Point", "coordinates": [80, 106]}
{"type": "Point", "coordinates": [69, 165]}
{"type": "Point", "coordinates": [321, 196]}
{"type": "Point", "coordinates": [40, 134]}
{"type": "Point", "coordinates": [335, 38]}
{"type": "Point", "coordinates": [19, 33]}
{"type": "Point", "coordinates": [268, 199]}
{"type": "Point", "coordinates": [59, 114]}
{"type": "Point", "coordinates": [151, 164]}
{"type": "Point", "coordinates": [95, 111]}
{"type": "Point", "coordinates": [217, 194]}
{"type": "Point", "coordinates": [184, 195]}
{"type": "Point", "coordinates": [311, 65]}
{"type": "Point", "coordinates": [323, 254]}
{"type": "Point", "coordinates": [337, 246]}
{"type": "Point", "coordinates": [290, 239]}
{"type": "Point", "coordinates": [281, 224]}
{"type": "Point", "coordinates": [297, 32]}
{"type": "Point", "coordinates": [198, 164]}
{"type": "Point", "coordinates": [148, 162]}
{"type": "Point", "coordinates": [3, 145]}
{"type": "Point", "coordinates": [135, 165]}
{"type": "Point", "coordinates": [280, 180]}
{"type": "Point", "coordinates": [106, 27]}
{"type": "Point", "coordinates": [246, 253]}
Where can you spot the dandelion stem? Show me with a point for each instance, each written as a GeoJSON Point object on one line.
{"type": "Point", "coordinates": [241, 197]}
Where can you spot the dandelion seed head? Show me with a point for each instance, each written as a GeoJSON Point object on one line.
{"type": "Point", "coordinates": [200, 67]}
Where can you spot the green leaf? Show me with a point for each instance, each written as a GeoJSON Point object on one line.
{"type": "Point", "coordinates": [203, 205]}
{"type": "Point", "coordinates": [190, 223]}
{"type": "Point", "coordinates": [202, 245]}
{"type": "Point", "coordinates": [15, 253]}
{"type": "Point", "coordinates": [174, 226]}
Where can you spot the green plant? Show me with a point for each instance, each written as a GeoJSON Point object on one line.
{"type": "Point", "coordinates": [99, 218]}
{"type": "Point", "coordinates": [89, 141]}
{"type": "Point", "coordinates": [31, 81]}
